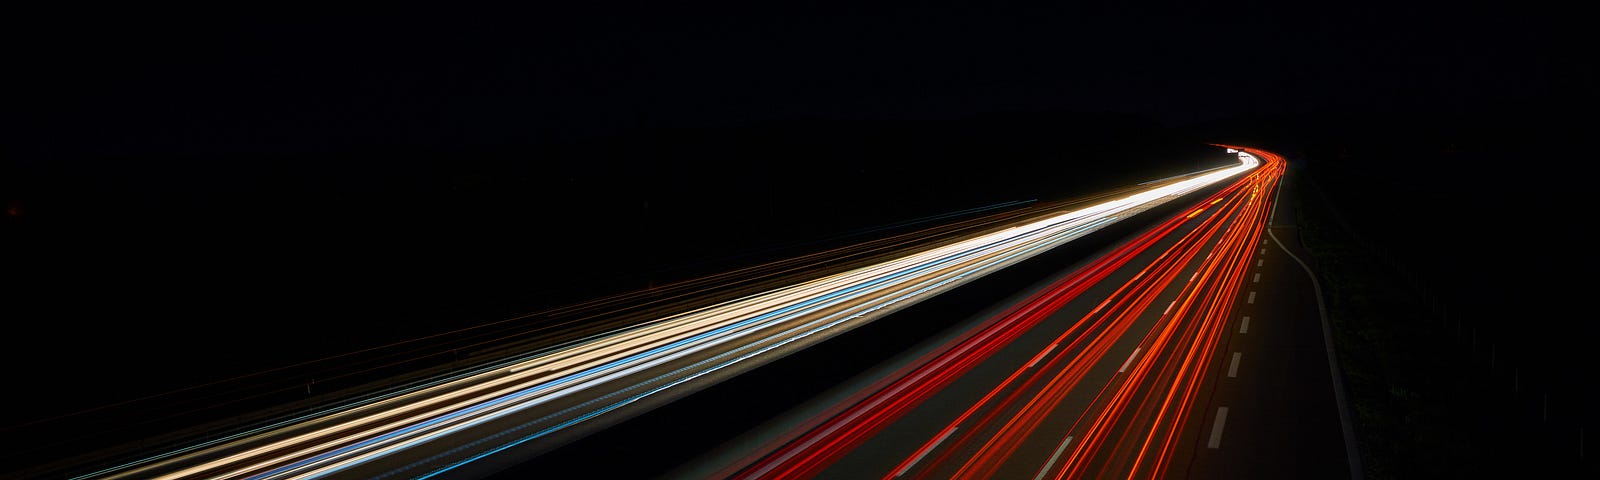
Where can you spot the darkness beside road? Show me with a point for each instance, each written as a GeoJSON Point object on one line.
{"type": "Point", "coordinates": [1447, 245]}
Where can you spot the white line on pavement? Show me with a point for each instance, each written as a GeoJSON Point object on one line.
{"type": "Point", "coordinates": [1053, 458]}
{"type": "Point", "coordinates": [1216, 428]}
{"type": "Point", "coordinates": [1041, 355]}
{"type": "Point", "coordinates": [1129, 360]}
{"type": "Point", "coordinates": [925, 452]}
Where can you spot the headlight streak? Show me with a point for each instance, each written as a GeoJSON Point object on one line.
{"type": "Point", "coordinates": [806, 301]}
{"type": "Point", "coordinates": [1156, 395]}
{"type": "Point", "coordinates": [938, 367]}
{"type": "Point", "coordinates": [655, 361]}
{"type": "Point", "coordinates": [1138, 380]}
{"type": "Point", "coordinates": [1094, 337]}
{"type": "Point", "coordinates": [1165, 336]}
{"type": "Point", "coordinates": [1158, 390]}
{"type": "Point", "coordinates": [785, 337]}
{"type": "Point", "coordinates": [373, 429]}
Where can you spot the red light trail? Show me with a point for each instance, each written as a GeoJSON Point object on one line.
{"type": "Point", "coordinates": [1063, 413]}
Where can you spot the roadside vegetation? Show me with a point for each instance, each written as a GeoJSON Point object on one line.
{"type": "Point", "coordinates": [1439, 383]}
{"type": "Point", "coordinates": [1401, 406]}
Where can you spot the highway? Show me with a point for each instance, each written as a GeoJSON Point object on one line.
{"type": "Point", "coordinates": [1130, 365]}
{"type": "Point", "coordinates": [540, 400]}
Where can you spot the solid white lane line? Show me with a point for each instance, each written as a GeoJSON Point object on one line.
{"type": "Point", "coordinates": [1129, 360]}
{"type": "Point", "coordinates": [1216, 428]}
{"type": "Point", "coordinates": [1233, 368]}
{"type": "Point", "coordinates": [1252, 298]}
{"type": "Point", "coordinates": [925, 452]}
{"type": "Point", "coordinates": [1244, 325]}
{"type": "Point", "coordinates": [1053, 458]}
{"type": "Point", "coordinates": [1346, 422]}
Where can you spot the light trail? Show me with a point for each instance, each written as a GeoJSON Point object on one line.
{"type": "Point", "coordinates": [440, 426]}
{"type": "Point", "coordinates": [1128, 424]}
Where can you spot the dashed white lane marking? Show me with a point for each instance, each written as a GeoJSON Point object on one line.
{"type": "Point", "coordinates": [1258, 263]}
{"type": "Point", "coordinates": [1244, 325]}
{"type": "Point", "coordinates": [1252, 298]}
{"type": "Point", "coordinates": [1216, 428]}
{"type": "Point", "coordinates": [1256, 279]}
{"type": "Point", "coordinates": [1129, 360]}
{"type": "Point", "coordinates": [1263, 250]}
{"type": "Point", "coordinates": [925, 452]}
{"type": "Point", "coordinates": [1041, 355]}
{"type": "Point", "coordinates": [1053, 458]}
{"type": "Point", "coordinates": [1233, 367]}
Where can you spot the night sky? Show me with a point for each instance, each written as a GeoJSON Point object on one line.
{"type": "Point", "coordinates": [250, 152]}
{"type": "Point", "coordinates": [206, 79]}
